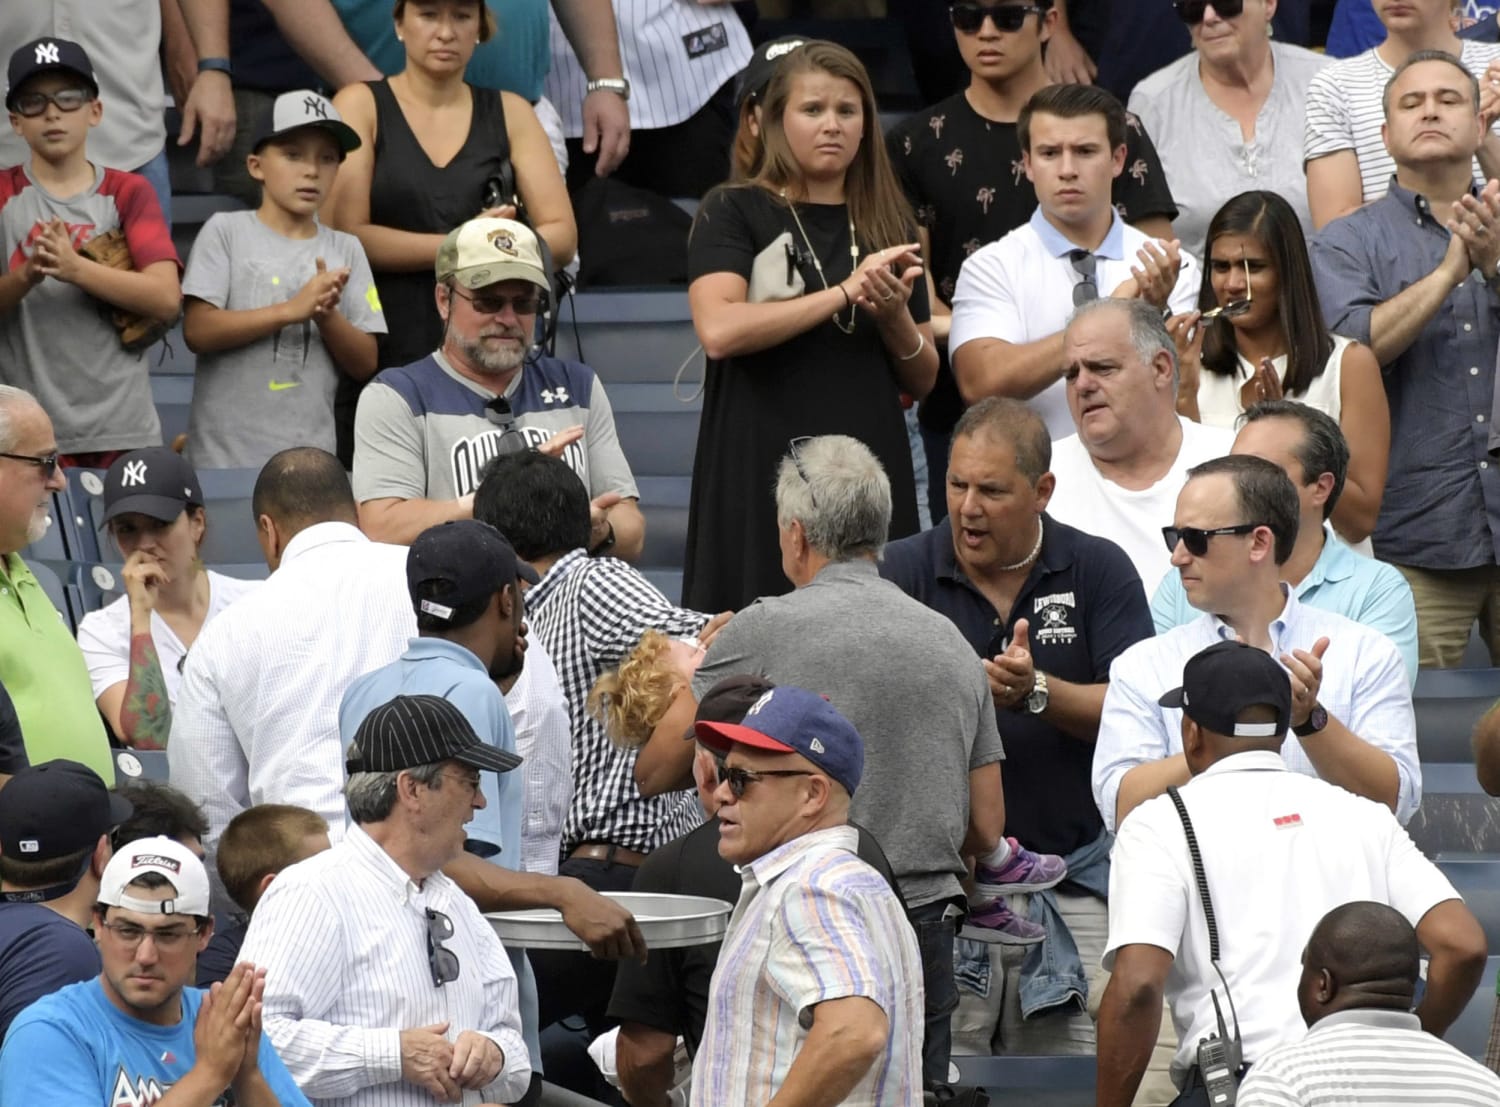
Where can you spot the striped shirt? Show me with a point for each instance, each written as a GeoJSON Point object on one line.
{"type": "Point", "coordinates": [343, 939]}
{"type": "Point", "coordinates": [590, 613]}
{"type": "Point", "coordinates": [814, 923]}
{"type": "Point", "coordinates": [1344, 112]}
{"type": "Point", "coordinates": [1368, 1058]}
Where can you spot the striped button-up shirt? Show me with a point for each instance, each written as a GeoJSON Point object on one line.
{"type": "Point", "coordinates": [590, 613]}
{"type": "Point", "coordinates": [813, 923]}
{"type": "Point", "coordinates": [343, 939]}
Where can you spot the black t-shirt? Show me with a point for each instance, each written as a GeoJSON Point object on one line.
{"type": "Point", "coordinates": [1084, 606]}
{"type": "Point", "coordinates": [670, 991]}
{"type": "Point", "coordinates": [218, 959]}
{"type": "Point", "coordinates": [261, 57]}
{"type": "Point", "coordinates": [40, 952]}
{"type": "Point", "coordinates": [12, 746]}
{"type": "Point", "coordinates": [962, 174]}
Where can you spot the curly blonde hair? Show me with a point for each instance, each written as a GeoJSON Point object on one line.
{"type": "Point", "coordinates": [630, 701]}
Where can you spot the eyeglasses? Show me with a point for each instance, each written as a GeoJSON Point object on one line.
{"type": "Point", "coordinates": [440, 959]}
{"type": "Point", "coordinates": [470, 780]}
{"type": "Point", "coordinates": [1085, 265]}
{"type": "Point", "coordinates": [794, 447]}
{"type": "Point", "coordinates": [1196, 539]}
{"type": "Point", "coordinates": [512, 440]}
{"type": "Point", "coordinates": [739, 779]}
{"type": "Point", "coordinates": [1234, 308]}
{"type": "Point", "coordinates": [33, 104]}
{"type": "Point", "coordinates": [969, 18]}
{"type": "Point", "coordinates": [1191, 11]}
{"type": "Point", "coordinates": [490, 303]}
{"type": "Point", "coordinates": [47, 463]}
{"type": "Point", "coordinates": [169, 939]}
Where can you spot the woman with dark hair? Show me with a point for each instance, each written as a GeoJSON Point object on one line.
{"type": "Point", "coordinates": [806, 295]}
{"type": "Point", "coordinates": [1265, 339]}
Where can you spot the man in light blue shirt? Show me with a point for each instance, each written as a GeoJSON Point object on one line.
{"type": "Point", "coordinates": [1323, 571]}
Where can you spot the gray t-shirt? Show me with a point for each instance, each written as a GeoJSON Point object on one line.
{"type": "Point", "coordinates": [277, 392]}
{"type": "Point", "coordinates": [912, 687]}
{"type": "Point", "coordinates": [422, 432]}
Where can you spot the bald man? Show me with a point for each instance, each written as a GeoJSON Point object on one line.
{"type": "Point", "coordinates": [1363, 1045]}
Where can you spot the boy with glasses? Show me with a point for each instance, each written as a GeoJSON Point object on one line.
{"type": "Point", "coordinates": [139, 1030]}
{"type": "Point", "coordinates": [56, 337]}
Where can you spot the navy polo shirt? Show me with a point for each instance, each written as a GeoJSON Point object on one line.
{"type": "Point", "coordinates": [1084, 606]}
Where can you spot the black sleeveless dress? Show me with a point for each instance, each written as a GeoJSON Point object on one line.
{"type": "Point", "coordinates": [409, 193]}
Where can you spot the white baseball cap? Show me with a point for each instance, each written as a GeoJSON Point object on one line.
{"type": "Point", "coordinates": [167, 858]}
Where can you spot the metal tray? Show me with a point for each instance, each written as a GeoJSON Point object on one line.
{"type": "Point", "coordinates": [666, 921]}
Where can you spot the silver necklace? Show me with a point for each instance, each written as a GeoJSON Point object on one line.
{"type": "Point", "coordinates": [1029, 558]}
{"type": "Point", "coordinates": [818, 265]}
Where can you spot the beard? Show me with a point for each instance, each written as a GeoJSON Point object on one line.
{"type": "Point", "coordinates": [36, 528]}
{"type": "Point", "coordinates": [489, 359]}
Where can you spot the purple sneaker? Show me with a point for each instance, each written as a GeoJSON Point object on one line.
{"type": "Point", "coordinates": [1024, 872]}
{"type": "Point", "coordinates": [995, 922]}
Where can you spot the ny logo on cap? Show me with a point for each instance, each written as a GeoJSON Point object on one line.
{"type": "Point", "coordinates": [135, 473]}
{"type": "Point", "coordinates": [316, 106]}
{"type": "Point", "coordinates": [47, 53]}
{"type": "Point", "coordinates": [758, 704]}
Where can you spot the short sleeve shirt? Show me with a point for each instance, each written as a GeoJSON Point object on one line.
{"type": "Point", "coordinates": [40, 952]}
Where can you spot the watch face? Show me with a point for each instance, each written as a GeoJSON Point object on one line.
{"type": "Point", "coordinates": [1036, 702]}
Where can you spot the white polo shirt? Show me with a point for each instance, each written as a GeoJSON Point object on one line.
{"type": "Point", "coordinates": [1020, 289]}
{"type": "Point", "coordinates": [1364, 687]}
{"type": "Point", "coordinates": [1280, 851]}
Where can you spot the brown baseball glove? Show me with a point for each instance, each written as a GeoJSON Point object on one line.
{"type": "Point", "coordinates": [136, 331]}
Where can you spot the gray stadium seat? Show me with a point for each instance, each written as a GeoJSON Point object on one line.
{"type": "Point", "coordinates": [630, 335]}
{"type": "Point", "coordinates": [1476, 877]}
{"type": "Point", "coordinates": [87, 540]}
{"type": "Point", "coordinates": [250, 570]}
{"type": "Point", "coordinates": [230, 536]}
{"type": "Point", "coordinates": [1448, 703]}
{"type": "Point", "coordinates": [53, 545]}
{"type": "Point", "coordinates": [1471, 1031]}
{"type": "Point", "coordinates": [668, 581]}
{"type": "Point", "coordinates": [140, 765]}
{"type": "Point", "coordinates": [173, 396]}
{"type": "Point", "coordinates": [52, 584]}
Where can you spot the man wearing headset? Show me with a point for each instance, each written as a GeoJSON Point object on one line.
{"type": "Point", "coordinates": [425, 431]}
{"type": "Point", "coordinates": [1278, 849]}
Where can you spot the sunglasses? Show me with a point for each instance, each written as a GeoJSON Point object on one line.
{"type": "Point", "coordinates": [1196, 539]}
{"type": "Point", "coordinates": [740, 779]}
{"type": "Point", "coordinates": [794, 447]}
{"type": "Point", "coordinates": [47, 463]}
{"type": "Point", "coordinates": [440, 959]}
{"type": "Point", "coordinates": [969, 18]}
{"type": "Point", "coordinates": [1234, 308]}
{"type": "Point", "coordinates": [1086, 265]}
{"type": "Point", "coordinates": [488, 303]}
{"type": "Point", "coordinates": [512, 441]}
{"type": "Point", "coordinates": [1191, 11]}
{"type": "Point", "coordinates": [32, 104]}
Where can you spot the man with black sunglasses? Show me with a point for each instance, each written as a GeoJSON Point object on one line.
{"type": "Point", "coordinates": [1351, 718]}
{"type": "Point", "coordinates": [959, 163]}
{"type": "Point", "coordinates": [424, 432]}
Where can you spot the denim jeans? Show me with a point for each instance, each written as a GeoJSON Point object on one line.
{"type": "Point", "coordinates": [155, 172]}
{"type": "Point", "coordinates": [936, 930]}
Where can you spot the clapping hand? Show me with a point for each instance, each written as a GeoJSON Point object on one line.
{"type": "Point", "coordinates": [1012, 674]}
{"type": "Point", "coordinates": [1306, 669]}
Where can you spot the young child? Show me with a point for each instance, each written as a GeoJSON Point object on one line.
{"type": "Point", "coordinates": [56, 337]}
{"type": "Point", "coordinates": [277, 304]}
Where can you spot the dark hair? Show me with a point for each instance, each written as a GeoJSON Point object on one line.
{"type": "Point", "coordinates": [160, 810]}
{"type": "Point", "coordinates": [1323, 448]}
{"type": "Point", "coordinates": [150, 881]}
{"type": "Point", "coordinates": [1418, 58]}
{"type": "Point", "coordinates": [1271, 220]}
{"type": "Point", "coordinates": [537, 502]}
{"type": "Point", "coordinates": [1265, 494]}
{"type": "Point", "coordinates": [304, 485]}
{"type": "Point", "coordinates": [1072, 102]}
{"type": "Point", "coordinates": [260, 840]}
{"type": "Point", "coordinates": [43, 874]}
{"type": "Point", "coordinates": [1015, 424]}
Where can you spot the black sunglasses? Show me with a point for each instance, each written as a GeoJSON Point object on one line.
{"type": "Point", "coordinates": [491, 303]}
{"type": "Point", "coordinates": [1191, 11]}
{"type": "Point", "coordinates": [739, 779]}
{"type": "Point", "coordinates": [794, 447]}
{"type": "Point", "coordinates": [512, 441]}
{"type": "Point", "coordinates": [969, 18]}
{"type": "Point", "coordinates": [440, 959]}
{"type": "Point", "coordinates": [33, 104]}
{"type": "Point", "coordinates": [47, 463]}
{"type": "Point", "coordinates": [1196, 538]}
{"type": "Point", "coordinates": [1086, 265]}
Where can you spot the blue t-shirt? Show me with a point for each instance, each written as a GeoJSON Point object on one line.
{"type": "Point", "coordinates": [75, 1047]}
{"type": "Point", "coordinates": [40, 952]}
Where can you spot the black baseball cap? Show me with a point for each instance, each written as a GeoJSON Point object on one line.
{"type": "Point", "coordinates": [154, 481]}
{"type": "Point", "coordinates": [57, 808]}
{"type": "Point", "coordinates": [43, 55]}
{"type": "Point", "coordinates": [457, 563]}
{"type": "Point", "coordinates": [420, 730]}
{"type": "Point", "coordinates": [1221, 681]}
{"type": "Point", "coordinates": [729, 700]}
{"type": "Point", "coordinates": [761, 67]}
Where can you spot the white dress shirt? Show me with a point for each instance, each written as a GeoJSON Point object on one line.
{"type": "Point", "coordinates": [1364, 687]}
{"type": "Point", "coordinates": [343, 939]}
{"type": "Point", "coordinates": [257, 717]}
{"type": "Point", "coordinates": [544, 739]}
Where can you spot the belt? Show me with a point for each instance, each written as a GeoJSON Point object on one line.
{"type": "Point", "coordinates": [607, 852]}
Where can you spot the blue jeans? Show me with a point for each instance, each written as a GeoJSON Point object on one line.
{"type": "Point", "coordinates": [155, 172]}
{"type": "Point", "coordinates": [936, 930]}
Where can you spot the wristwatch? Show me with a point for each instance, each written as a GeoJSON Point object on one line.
{"type": "Point", "coordinates": [620, 86]}
{"type": "Point", "coordinates": [1317, 719]}
{"type": "Point", "coordinates": [1036, 699]}
{"type": "Point", "coordinates": [215, 65]}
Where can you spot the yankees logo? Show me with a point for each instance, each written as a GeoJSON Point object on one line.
{"type": "Point", "coordinates": [47, 53]}
{"type": "Point", "coordinates": [135, 473]}
{"type": "Point", "coordinates": [758, 704]}
{"type": "Point", "coordinates": [316, 105]}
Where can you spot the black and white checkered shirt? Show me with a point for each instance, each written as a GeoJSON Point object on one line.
{"type": "Point", "coordinates": [590, 613]}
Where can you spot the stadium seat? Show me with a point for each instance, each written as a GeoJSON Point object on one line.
{"type": "Point", "coordinates": [667, 581]}
{"type": "Point", "coordinates": [230, 536]}
{"type": "Point", "coordinates": [140, 765]}
{"type": "Point", "coordinates": [173, 396]}
{"type": "Point", "coordinates": [53, 545]}
{"type": "Point", "coordinates": [638, 335]}
{"type": "Point", "coordinates": [1033, 1081]}
{"type": "Point", "coordinates": [1448, 703]}
{"type": "Point", "coordinates": [52, 584]}
{"type": "Point", "coordinates": [86, 538]}
{"type": "Point", "coordinates": [1471, 1032]}
{"type": "Point", "coordinates": [1476, 877]}
{"type": "Point", "coordinates": [249, 570]}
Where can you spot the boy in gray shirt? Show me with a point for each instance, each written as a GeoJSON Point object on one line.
{"type": "Point", "coordinates": [277, 304]}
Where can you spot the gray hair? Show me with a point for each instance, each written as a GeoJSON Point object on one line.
{"type": "Point", "coordinates": [1418, 58]}
{"type": "Point", "coordinates": [835, 487]}
{"type": "Point", "coordinates": [11, 397]}
{"type": "Point", "coordinates": [1148, 329]}
{"type": "Point", "coordinates": [372, 796]}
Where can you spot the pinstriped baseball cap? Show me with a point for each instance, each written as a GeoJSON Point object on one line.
{"type": "Point", "coordinates": [420, 730]}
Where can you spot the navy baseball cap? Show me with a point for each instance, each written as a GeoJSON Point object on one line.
{"type": "Point", "coordinates": [793, 720]}
{"type": "Point", "coordinates": [43, 55]}
{"type": "Point", "coordinates": [457, 563]}
{"type": "Point", "coordinates": [154, 481]}
{"type": "Point", "coordinates": [1221, 681]}
{"type": "Point", "coordinates": [57, 808]}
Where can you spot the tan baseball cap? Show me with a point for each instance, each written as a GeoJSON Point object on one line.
{"type": "Point", "coordinates": [486, 250]}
